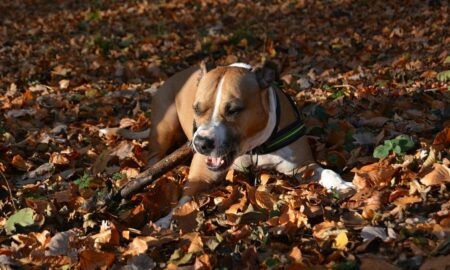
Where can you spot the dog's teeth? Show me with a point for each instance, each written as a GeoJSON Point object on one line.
{"type": "Point", "coordinates": [215, 161]}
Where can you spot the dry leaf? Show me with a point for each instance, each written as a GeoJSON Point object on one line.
{"type": "Point", "coordinates": [186, 216]}
{"type": "Point", "coordinates": [20, 163]}
{"type": "Point", "coordinates": [296, 255]}
{"type": "Point", "coordinates": [137, 246]}
{"type": "Point", "coordinates": [92, 260]}
{"type": "Point", "coordinates": [341, 241]}
{"type": "Point", "coordinates": [59, 159]}
{"type": "Point", "coordinates": [373, 175]}
{"type": "Point", "coordinates": [439, 175]}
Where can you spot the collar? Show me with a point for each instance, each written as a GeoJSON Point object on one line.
{"type": "Point", "coordinates": [287, 135]}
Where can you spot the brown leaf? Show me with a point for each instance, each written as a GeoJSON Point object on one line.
{"type": "Point", "coordinates": [442, 139]}
{"type": "Point", "coordinates": [186, 216]}
{"type": "Point", "coordinates": [439, 175]}
{"type": "Point", "coordinates": [20, 163]}
{"type": "Point", "coordinates": [374, 203]}
{"type": "Point", "coordinates": [203, 262]}
{"type": "Point", "coordinates": [296, 255]}
{"type": "Point", "coordinates": [407, 200]}
{"type": "Point", "coordinates": [196, 243]}
{"type": "Point", "coordinates": [373, 175]}
{"type": "Point", "coordinates": [93, 260]}
{"type": "Point", "coordinates": [59, 159]}
{"type": "Point", "coordinates": [264, 199]}
{"type": "Point", "coordinates": [137, 246]}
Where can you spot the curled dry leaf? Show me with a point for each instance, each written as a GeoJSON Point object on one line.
{"type": "Point", "coordinates": [440, 174]}
{"type": "Point", "coordinates": [431, 159]}
{"type": "Point", "coordinates": [374, 175]}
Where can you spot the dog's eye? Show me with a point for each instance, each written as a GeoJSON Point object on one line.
{"type": "Point", "coordinates": [197, 109]}
{"type": "Point", "coordinates": [231, 110]}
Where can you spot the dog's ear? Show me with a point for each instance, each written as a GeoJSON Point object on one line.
{"type": "Point", "coordinates": [266, 74]}
{"type": "Point", "coordinates": [203, 69]}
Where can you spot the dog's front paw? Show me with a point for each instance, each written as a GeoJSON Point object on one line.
{"type": "Point", "coordinates": [164, 222]}
{"type": "Point", "coordinates": [331, 180]}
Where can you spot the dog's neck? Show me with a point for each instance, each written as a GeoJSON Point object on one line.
{"type": "Point", "coordinates": [265, 134]}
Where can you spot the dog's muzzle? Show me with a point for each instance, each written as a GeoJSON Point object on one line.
{"type": "Point", "coordinates": [214, 142]}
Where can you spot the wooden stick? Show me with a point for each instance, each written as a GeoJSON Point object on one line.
{"type": "Point", "coordinates": [150, 175]}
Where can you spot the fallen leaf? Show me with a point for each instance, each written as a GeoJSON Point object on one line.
{"type": "Point", "coordinates": [341, 241]}
{"type": "Point", "coordinates": [442, 139]}
{"type": "Point", "coordinates": [20, 163]}
{"type": "Point", "coordinates": [186, 216]}
{"type": "Point", "coordinates": [439, 175]}
{"type": "Point", "coordinates": [203, 262]}
{"type": "Point", "coordinates": [25, 217]}
{"type": "Point", "coordinates": [60, 245]}
{"type": "Point", "coordinates": [296, 255]}
{"type": "Point", "coordinates": [59, 159]}
{"type": "Point", "coordinates": [137, 246]}
{"type": "Point", "coordinates": [92, 260]}
{"type": "Point", "coordinates": [374, 175]}
{"type": "Point", "coordinates": [370, 232]}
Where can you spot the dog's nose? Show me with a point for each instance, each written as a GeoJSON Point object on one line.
{"type": "Point", "coordinates": [204, 145]}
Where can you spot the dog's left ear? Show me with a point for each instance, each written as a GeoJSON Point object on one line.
{"type": "Point", "coordinates": [203, 69]}
{"type": "Point", "coordinates": [266, 74]}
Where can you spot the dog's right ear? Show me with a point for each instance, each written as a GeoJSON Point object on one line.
{"type": "Point", "coordinates": [266, 74]}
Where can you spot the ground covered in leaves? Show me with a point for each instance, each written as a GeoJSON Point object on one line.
{"type": "Point", "coordinates": [370, 77]}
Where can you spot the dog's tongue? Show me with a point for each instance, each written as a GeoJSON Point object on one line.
{"type": "Point", "coordinates": [214, 161]}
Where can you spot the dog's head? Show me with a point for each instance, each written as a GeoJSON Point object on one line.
{"type": "Point", "coordinates": [233, 112]}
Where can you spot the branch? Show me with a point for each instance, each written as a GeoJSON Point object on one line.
{"type": "Point", "coordinates": [150, 175]}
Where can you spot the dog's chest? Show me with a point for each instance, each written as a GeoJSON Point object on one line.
{"type": "Point", "coordinates": [282, 160]}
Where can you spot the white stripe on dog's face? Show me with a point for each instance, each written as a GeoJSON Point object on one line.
{"type": "Point", "coordinates": [215, 129]}
{"type": "Point", "coordinates": [216, 111]}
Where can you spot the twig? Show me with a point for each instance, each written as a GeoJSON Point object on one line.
{"type": "Point", "coordinates": [345, 86]}
{"type": "Point", "coordinates": [150, 175]}
{"type": "Point", "coordinates": [9, 190]}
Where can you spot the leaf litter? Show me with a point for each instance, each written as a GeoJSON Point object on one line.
{"type": "Point", "coordinates": [370, 78]}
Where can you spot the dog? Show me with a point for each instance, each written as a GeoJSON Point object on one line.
{"type": "Point", "coordinates": [233, 118]}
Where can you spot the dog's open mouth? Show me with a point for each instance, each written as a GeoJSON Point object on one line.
{"type": "Point", "coordinates": [219, 163]}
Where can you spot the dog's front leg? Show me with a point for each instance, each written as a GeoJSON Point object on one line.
{"type": "Point", "coordinates": [200, 179]}
{"type": "Point", "coordinates": [326, 177]}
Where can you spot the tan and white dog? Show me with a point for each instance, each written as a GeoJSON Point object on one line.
{"type": "Point", "coordinates": [226, 113]}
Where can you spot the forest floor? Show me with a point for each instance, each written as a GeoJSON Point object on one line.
{"type": "Point", "coordinates": [371, 79]}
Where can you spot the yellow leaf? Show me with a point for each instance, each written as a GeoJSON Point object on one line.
{"type": "Point", "coordinates": [341, 241]}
